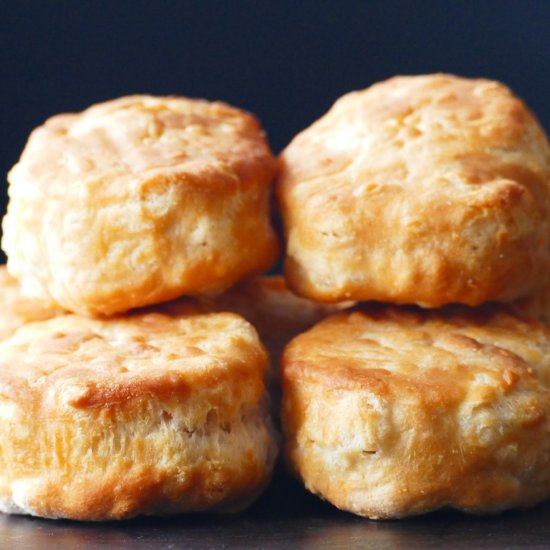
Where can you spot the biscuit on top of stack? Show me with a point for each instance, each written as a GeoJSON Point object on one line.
{"type": "Point", "coordinates": [428, 190]}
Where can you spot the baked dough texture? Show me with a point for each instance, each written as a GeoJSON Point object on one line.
{"type": "Point", "coordinates": [276, 313]}
{"type": "Point", "coordinates": [144, 414]}
{"type": "Point", "coordinates": [139, 200]}
{"type": "Point", "coordinates": [393, 412]}
{"type": "Point", "coordinates": [421, 190]}
{"type": "Point", "coordinates": [17, 310]}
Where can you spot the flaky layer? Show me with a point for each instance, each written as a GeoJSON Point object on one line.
{"type": "Point", "coordinates": [140, 200]}
{"type": "Point", "coordinates": [143, 414]}
{"type": "Point", "coordinates": [389, 413]}
{"type": "Point", "coordinates": [426, 190]}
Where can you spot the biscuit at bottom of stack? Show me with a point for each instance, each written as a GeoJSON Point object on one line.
{"type": "Point", "coordinates": [142, 414]}
{"type": "Point", "coordinates": [392, 412]}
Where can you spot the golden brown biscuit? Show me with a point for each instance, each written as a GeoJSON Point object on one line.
{"type": "Point", "coordinates": [17, 310]}
{"type": "Point", "coordinates": [140, 200]}
{"type": "Point", "coordinates": [143, 414]}
{"type": "Point", "coordinates": [390, 413]}
{"type": "Point", "coordinates": [426, 190]}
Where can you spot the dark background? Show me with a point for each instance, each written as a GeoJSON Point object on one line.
{"type": "Point", "coordinates": [285, 61]}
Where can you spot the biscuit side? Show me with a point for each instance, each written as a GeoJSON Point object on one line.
{"type": "Point", "coordinates": [145, 414]}
{"type": "Point", "coordinates": [389, 414]}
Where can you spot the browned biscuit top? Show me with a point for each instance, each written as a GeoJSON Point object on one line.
{"type": "Point", "coordinates": [82, 362]}
{"type": "Point", "coordinates": [395, 131]}
{"type": "Point", "coordinates": [432, 353]}
{"type": "Point", "coordinates": [138, 136]}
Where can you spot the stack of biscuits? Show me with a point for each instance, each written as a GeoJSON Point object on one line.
{"type": "Point", "coordinates": [429, 195]}
{"type": "Point", "coordinates": [130, 381]}
{"type": "Point", "coordinates": [140, 344]}
{"type": "Point", "coordinates": [116, 405]}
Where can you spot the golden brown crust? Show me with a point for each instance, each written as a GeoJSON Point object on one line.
{"type": "Point", "coordinates": [143, 414]}
{"type": "Point", "coordinates": [392, 412]}
{"type": "Point", "coordinates": [426, 190]}
{"type": "Point", "coordinates": [140, 200]}
{"type": "Point", "coordinates": [17, 310]}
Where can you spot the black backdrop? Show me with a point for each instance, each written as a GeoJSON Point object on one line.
{"type": "Point", "coordinates": [286, 61]}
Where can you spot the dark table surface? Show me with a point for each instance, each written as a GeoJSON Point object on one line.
{"type": "Point", "coordinates": [285, 517]}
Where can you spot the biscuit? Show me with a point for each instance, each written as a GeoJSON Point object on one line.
{"type": "Point", "coordinates": [536, 305]}
{"type": "Point", "coordinates": [147, 413]}
{"type": "Point", "coordinates": [393, 412]}
{"type": "Point", "coordinates": [17, 310]}
{"type": "Point", "coordinates": [420, 190]}
{"type": "Point", "coordinates": [140, 200]}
